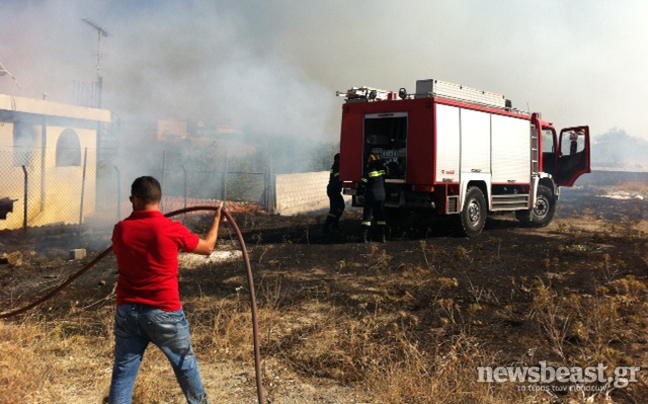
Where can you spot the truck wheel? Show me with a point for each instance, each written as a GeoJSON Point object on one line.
{"type": "Point", "coordinates": [543, 212]}
{"type": "Point", "coordinates": [473, 215]}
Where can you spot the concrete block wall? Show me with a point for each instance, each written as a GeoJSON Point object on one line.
{"type": "Point", "coordinates": [302, 193]}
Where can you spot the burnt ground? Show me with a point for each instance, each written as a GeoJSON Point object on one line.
{"type": "Point", "coordinates": [489, 287]}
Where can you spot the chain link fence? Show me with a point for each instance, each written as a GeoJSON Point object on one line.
{"type": "Point", "coordinates": [52, 186]}
{"type": "Point", "coordinates": [45, 186]}
{"type": "Point", "coordinates": [185, 182]}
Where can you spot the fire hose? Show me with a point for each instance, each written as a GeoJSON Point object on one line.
{"type": "Point", "coordinates": [246, 259]}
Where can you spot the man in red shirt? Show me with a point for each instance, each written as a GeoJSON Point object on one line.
{"type": "Point", "coordinates": [148, 300]}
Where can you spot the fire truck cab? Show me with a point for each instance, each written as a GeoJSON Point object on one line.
{"type": "Point", "coordinates": [455, 150]}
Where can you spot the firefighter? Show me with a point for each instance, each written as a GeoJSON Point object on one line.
{"type": "Point", "coordinates": [373, 186]}
{"type": "Point", "coordinates": [573, 147]}
{"type": "Point", "coordinates": [336, 202]}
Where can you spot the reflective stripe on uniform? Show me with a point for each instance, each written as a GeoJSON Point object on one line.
{"type": "Point", "coordinates": [366, 223]}
{"type": "Point", "coordinates": [373, 174]}
{"type": "Point", "coordinates": [336, 174]}
{"type": "Point", "coordinates": [364, 180]}
{"type": "Point", "coordinates": [332, 215]}
{"type": "Point", "coordinates": [381, 223]}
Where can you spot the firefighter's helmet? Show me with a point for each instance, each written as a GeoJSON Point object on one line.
{"type": "Point", "coordinates": [373, 157]}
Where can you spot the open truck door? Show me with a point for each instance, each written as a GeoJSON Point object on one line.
{"type": "Point", "coordinates": [573, 159]}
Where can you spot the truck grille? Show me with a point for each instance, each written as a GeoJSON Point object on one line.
{"type": "Point", "coordinates": [452, 204]}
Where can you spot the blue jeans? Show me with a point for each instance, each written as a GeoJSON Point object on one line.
{"type": "Point", "coordinates": [136, 326]}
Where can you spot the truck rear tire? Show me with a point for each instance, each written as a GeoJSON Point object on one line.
{"type": "Point", "coordinates": [543, 211]}
{"type": "Point", "coordinates": [473, 215]}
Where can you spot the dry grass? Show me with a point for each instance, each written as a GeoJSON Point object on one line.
{"type": "Point", "coordinates": [357, 324]}
{"type": "Point", "coordinates": [45, 362]}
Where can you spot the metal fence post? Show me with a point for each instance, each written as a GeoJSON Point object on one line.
{"type": "Point", "coordinates": [184, 170]}
{"type": "Point", "coordinates": [225, 180]}
{"type": "Point", "coordinates": [26, 196]}
{"type": "Point", "coordinates": [119, 216]}
{"type": "Point", "coordinates": [162, 179]}
{"type": "Point", "coordinates": [265, 190]}
{"type": "Point", "coordinates": [269, 190]}
{"type": "Point", "coordinates": [272, 181]}
{"type": "Point", "coordinates": [43, 171]}
{"type": "Point", "coordinates": [83, 186]}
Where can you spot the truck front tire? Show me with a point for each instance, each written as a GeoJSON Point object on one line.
{"type": "Point", "coordinates": [473, 215]}
{"type": "Point", "coordinates": [543, 211]}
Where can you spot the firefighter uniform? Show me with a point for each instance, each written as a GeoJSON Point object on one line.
{"type": "Point", "coordinates": [334, 193]}
{"type": "Point", "coordinates": [373, 184]}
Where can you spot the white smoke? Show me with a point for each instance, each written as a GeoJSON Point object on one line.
{"type": "Point", "coordinates": [275, 65]}
{"type": "Point", "coordinates": [189, 61]}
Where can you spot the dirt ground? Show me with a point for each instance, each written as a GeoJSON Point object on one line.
{"type": "Point", "coordinates": [488, 290]}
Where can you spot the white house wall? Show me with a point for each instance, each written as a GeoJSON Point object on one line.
{"type": "Point", "coordinates": [12, 177]}
{"type": "Point", "coordinates": [302, 193]}
{"type": "Point", "coordinates": [63, 184]}
{"type": "Point", "coordinates": [61, 199]}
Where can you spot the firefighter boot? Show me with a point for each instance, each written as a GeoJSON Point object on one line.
{"type": "Point", "coordinates": [327, 225]}
{"type": "Point", "coordinates": [365, 235]}
{"type": "Point", "coordinates": [383, 238]}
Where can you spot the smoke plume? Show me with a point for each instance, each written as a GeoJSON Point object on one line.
{"type": "Point", "coordinates": [273, 67]}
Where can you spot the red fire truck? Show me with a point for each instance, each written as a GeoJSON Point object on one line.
{"type": "Point", "coordinates": [455, 150]}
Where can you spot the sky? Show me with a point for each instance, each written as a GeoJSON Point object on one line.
{"type": "Point", "coordinates": [273, 67]}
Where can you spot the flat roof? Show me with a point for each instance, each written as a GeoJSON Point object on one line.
{"type": "Point", "coordinates": [49, 108]}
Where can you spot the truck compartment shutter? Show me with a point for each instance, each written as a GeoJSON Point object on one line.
{"type": "Point", "coordinates": [475, 141]}
{"type": "Point", "coordinates": [511, 150]}
{"type": "Point", "coordinates": [448, 145]}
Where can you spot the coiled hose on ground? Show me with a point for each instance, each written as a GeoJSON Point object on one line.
{"type": "Point", "coordinates": [248, 267]}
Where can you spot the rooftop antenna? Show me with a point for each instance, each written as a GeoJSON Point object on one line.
{"type": "Point", "coordinates": [4, 71]}
{"type": "Point", "coordinates": [100, 33]}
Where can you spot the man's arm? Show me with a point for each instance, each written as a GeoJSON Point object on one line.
{"type": "Point", "coordinates": [206, 246]}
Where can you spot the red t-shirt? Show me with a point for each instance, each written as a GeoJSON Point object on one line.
{"type": "Point", "coordinates": [147, 245]}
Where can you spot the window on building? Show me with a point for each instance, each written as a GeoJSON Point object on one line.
{"type": "Point", "coordinates": [68, 149]}
{"type": "Point", "coordinates": [25, 141]}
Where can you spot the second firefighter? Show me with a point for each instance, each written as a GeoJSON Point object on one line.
{"type": "Point", "coordinates": [373, 184]}
{"type": "Point", "coordinates": [334, 193]}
